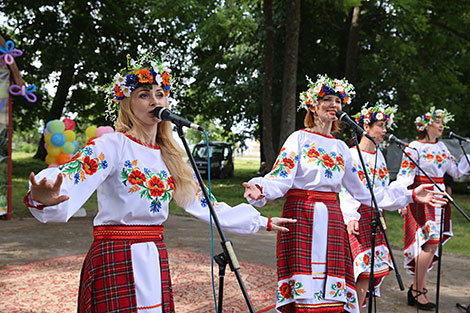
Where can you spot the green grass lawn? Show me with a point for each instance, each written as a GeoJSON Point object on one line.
{"type": "Point", "coordinates": [230, 191]}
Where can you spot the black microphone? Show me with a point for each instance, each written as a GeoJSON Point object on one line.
{"type": "Point", "coordinates": [460, 138]}
{"type": "Point", "coordinates": [342, 116]}
{"type": "Point", "coordinates": [392, 137]}
{"type": "Point", "coordinates": [165, 115]}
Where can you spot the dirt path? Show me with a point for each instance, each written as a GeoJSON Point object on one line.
{"type": "Point", "coordinates": [26, 240]}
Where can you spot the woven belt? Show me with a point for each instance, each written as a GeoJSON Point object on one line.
{"type": "Point", "coordinates": [425, 180]}
{"type": "Point", "coordinates": [312, 195]}
{"type": "Point", "coordinates": [128, 232]}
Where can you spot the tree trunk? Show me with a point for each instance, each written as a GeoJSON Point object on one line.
{"type": "Point", "coordinates": [267, 134]}
{"type": "Point", "coordinates": [352, 49]}
{"type": "Point", "coordinates": [65, 82]}
{"type": "Point", "coordinates": [289, 81]}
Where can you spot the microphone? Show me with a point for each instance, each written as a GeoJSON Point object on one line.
{"type": "Point", "coordinates": [166, 115]}
{"type": "Point", "coordinates": [342, 116]}
{"type": "Point", "coordinates": [460, 138]}
{"type": "Point", "coordinates": [398, 141]}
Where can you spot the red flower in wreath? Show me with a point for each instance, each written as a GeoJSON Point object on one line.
{"type": "Point", "coordinates": [156, 186]}
{"type": "Point", "coordinates": [117, 91]}
{"type": "Point", "coordinates": [285, 290]}
{"type": "Point", "coordinates": [90, 166]}
{"type": "Point", "coordinates": [136, 177]}
{"type": "Point", "coordinates": [288, 162]}
{"type": "Point", "coordinates": [313, 153]}
{"type": "Point", "coordinates": [144, 76]}
{"type": "Point", "coordinates": [328, 161]}
{"type": "Point", "coordinates": [165, 79]}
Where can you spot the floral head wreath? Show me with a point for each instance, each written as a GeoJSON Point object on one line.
{"type": "Point", "coordinates": [379, 112]}
{"type": "Point", "coordinates": [146, 71]}
{"type": "Point", "coordinates": [326, 86]}
{"type": "Point", "coordinates": [431, 116]}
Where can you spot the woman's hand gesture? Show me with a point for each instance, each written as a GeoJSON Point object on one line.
{"type": "Point", "coordinates": [252, 191]}
{"type": "Point", "coordinates": [46, 191]}
{"type": "Point", "coordinates": [425, 194]}
{"type": "Point", "coordinates": [277, 221]}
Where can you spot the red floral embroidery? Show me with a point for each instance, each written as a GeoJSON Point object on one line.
{"type": "Point", "coordinates": [136, 177]}
{"type": "Point", "coordinates": [171, 182]}
{"type": "Point", "coordinates": [156, 186]}
{"type": "Point", "coordinates": [429, 156]}
{"type": "Point", "coordinates": [328, 161]}
{"type": "Point", "coordinates": [340, 161]}
{"type": "Point", "coordinates": [405, 164]}
{"type": "Point", "coordinates": [288, 162]}
{"type": "Point", "coordinates": [381, 173]}
{"type": "Point", "coordinates": [285, 290]}
{"type": "Point", "coordinates": [338, 284]}
{"type": "Point", "coordinates": [313, 153]}
{"type": "Point", "coordinates": [361, 175]}
{"type": "Point", "coordinates": [90, 165]}
{"type": "Point", "coordinates": [438, 158]}
{"type": "Point", "coordinates": [366, 259]}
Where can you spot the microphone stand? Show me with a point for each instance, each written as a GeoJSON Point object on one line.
{"type": "Point", "coordinates": [467, 309]}
{"type": "Point", "coordinates": [228, 254]}
{"type": "Point", "coordinates": [442, 221]}
{"type": "Point", "coordinates": [378, 219]}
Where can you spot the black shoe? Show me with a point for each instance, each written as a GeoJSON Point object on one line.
{"type": "Point", "coordinates": [412, 300]}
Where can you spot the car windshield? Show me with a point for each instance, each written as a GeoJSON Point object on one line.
{"type": "Point", "coordinates": [200, 152]}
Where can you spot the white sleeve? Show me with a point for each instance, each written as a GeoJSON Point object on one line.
{"type": "Point", "coordinates": [90, 166]}
{"type": "Point", "coordinates": [388, 198]}
{"type": "Point", "coordinates": [457, 169]}
{"type": "Point", "coordinates": [349, 206]}
{"type": "Point", "coordinates": [407, 172]}
{"type": "Point", "coordinates": [240, 219]}
{"type": "Point", "coordinates": [276, 183]}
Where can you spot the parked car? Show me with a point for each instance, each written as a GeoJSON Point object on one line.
{"type": "Point", "coordinates": [221, 159]}
{"type": "Point", "coordinates": [393, 156]}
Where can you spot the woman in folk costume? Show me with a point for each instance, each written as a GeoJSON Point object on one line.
{"type": "Point", "coordinates": [422, 222]}
{"type": "Point", "coordinates": [137, 171]}
{"type": "Point", "coordinates": [375, 121]}
{"type": "Point", "coordinates": [315, 272]}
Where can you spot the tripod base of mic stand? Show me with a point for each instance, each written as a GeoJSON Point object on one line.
{"type": "Point", "coordinates": [467, 309]}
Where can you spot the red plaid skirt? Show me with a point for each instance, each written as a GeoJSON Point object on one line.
{"type": "Point", "coordinates": [419, 215]}
{"type": "Point", "coordinates": [106, 281]}
{"type": "Point", "coordinates": [294, 247]}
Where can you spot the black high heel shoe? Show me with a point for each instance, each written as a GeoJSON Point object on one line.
{"type": "Point", "coordinates": [413, 300]}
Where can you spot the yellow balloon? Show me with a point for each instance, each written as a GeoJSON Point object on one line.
{"type": "Point", "coordinates": [47, 138]}
{"type": "Point", "coordinates": [91, 131]}
{"type": "Point", "coordinates": [69, 135]}
{"type": "Point", "coordinates": [50, 159]}
{"type": "Point", "coordinates": [53, 151]}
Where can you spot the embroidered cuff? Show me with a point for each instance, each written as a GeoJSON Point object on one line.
{"type": "Point", "coordinates": [30, 203]}
{"type": "Point", "coordinates": [269, 226]}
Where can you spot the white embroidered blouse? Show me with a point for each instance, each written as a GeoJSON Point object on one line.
{"type": "Point", "coordinates": [312, 161]}
{"type": "Point", "coordinates": [134, 188]}
{"type": "Point", "coordinates": [434, 159]}
{"type": "Point", "coordinates": [377, 171]}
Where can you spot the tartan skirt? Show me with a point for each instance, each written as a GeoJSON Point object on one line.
{"type": "Point", "coordinates": [107, 282]}
{"type": "Point", "coordinates": [294, 256]}
{"type": "Point", "coordinates": [421, 227]}
{"type": "Point", "coordinates": [361, 246]}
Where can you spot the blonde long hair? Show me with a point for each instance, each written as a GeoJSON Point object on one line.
{"type": "Point", "coordinates": [172, 154]}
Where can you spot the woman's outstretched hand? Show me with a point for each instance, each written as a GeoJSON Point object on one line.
{"type": "Point", "coordinates": [423, 194]}
{"type": "Point", "coordinates": [252, 191]}
{"type": "Point", "coordinates": [277, 221]}
{"type": "Point", "coordinates": [46, 191]}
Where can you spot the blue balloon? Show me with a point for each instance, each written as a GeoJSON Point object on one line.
{"type": "Point", "coordinates": [58, 139]}
{"type": "Point", "coordinates": [48, 126]}
{"type": "Point", "coordinates": [75, 144]}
